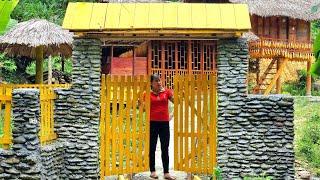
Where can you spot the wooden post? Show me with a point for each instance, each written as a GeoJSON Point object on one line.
{"type": "Point", "coordinates": [133, 59]}
{"type": "Point", "coordinates": [308, 88]}
{"type": "Point", "coordinates": [39, 65]}
{"type": "Point", "coordinates": [278, 85]}
{"type": "Point", "coordinates": [49, 71]}
{"type": "Point", "coordinates": [201, 57]}
{"type": "Point", "coordinates": [149, 58]}
{"type": "Point", "coordinates": [189, 55]}
{"type": "Point", "coordinates": [62, 63]}
{"type": "Point", "coordinates": [176, 57]}
{"type": "Point", "coordinates": [111, 57]}
{"type": "Point", "coordinates": [163, 63]}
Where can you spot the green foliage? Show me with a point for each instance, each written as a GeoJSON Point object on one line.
{"type": "Point", "coordinates": [298, 87]}
{"type": "Point", "coordinates": [7, 68]}
{"type": "Point", "coordinates": [56, 64]}
{"type": "Point", "coordinates": [217, 174]}
{"type": "Point", "coordinates": [308, 145]}
{"type": "Point", "coordinates": [51, 10]}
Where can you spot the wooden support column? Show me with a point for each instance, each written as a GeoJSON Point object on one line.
{"type": "Point", "coordinates": [62, 63]}
{"type": "Point", "coordinates": [133, 60]}
{"type": "Point", "coordinates": [149, 58]}
{"type": "Point", "coordinates": [39, 65]}
{"type": "Point", "coordinates": [176, 57]}
{"type": "Point", "coordinates": [308, 88]}
{"type": "Point", "coordinates": [201, 57]}
{"type": "Point", "coordinates": [111, 57]}
{"type": "Point", "coordinates": [278, 85]}
{"type": "Point", "coordinates": [189, 55]}
{"type": "Point", "coordinates": [49, 70]}
{"type": "Point", "coordinates": [162, 63]}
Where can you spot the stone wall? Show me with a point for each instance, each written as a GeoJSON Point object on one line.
{"type": "Point", "coordinates": [52, 159]}
{"type": "Point", "coordinates": [255, 133]}
{"type": "Point", "coordinates": [23, 159]}
{"type": "Point", "coordinates": [77, 112]}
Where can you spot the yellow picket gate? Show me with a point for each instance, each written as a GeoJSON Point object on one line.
{"type": "Point", "coordinates": [195, 133]}
{"type": "Point", "coordinates": [47, 97]}
{"type": "Point", "coordinates": [124, 125]}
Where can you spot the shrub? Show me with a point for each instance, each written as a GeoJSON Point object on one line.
{"type": "Point", "coordinates": [8, 68]}
{"type": "Point", "coordinates": [56, 64]}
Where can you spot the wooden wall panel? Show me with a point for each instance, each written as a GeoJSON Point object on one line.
{"type": "Point", "coordinates": [283, 28]}
{"type": "Point", "coordinates": [292, 29]}
{"type": "Point", "coordinates": [266, 27]}
{"type": "Point", "coordinates": [274, 27]}
{"type": "Point", "coordinates": [123, 66]}
{"type": "Point", "coordinates": [303, 31]}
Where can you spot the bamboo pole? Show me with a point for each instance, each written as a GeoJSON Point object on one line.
{"type": "Point", "coordinates": [39, 65]}
{"type": "Point", "coordinates": [308, 88]}
{"type": "Point", "coordinates": [278, 85]}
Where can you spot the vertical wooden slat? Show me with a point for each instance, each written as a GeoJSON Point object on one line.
{"type": "Point", "coordinates": [176, 109]}
{"type": "Point", "coordinates": [192, 96]}
{"type": "Point", "coordinates": [181, 90]}
{"type": "Point", "coordinates": [205, 123]}
{"type": "Point", "coordinates": [198, 147]}
{"type": "Point", "coordinates": [163, 77]}
{"type": "Point", "coordinates": [201, 57]}
{"type": "Point", "coordinates": [186, 121]}
{"type": "Point", "coordinates": [114, 123]}
{"type": "Point", "coordinates": [107, 117]}
{"type": "Point", "coordinates": [7, 118]}
{"type": "Point", "coordinates": [214, 118]}
{"type": "Point", "coordinates": [120, 120]}
{"type": "Point", "coordinates": [111, 59]}
{"type": "Point", "coordinates": [308, 86]}
{"type": "Point", "coordinates": [102, 127]}
{"type": "Point", "coordinates": [176, 57]}
{"type": "Point", "coordinates": [128, 120]}
{"type": "Point", "coordinates": [147, 121]}
{"type": "Point", "coordinates": [134, 124]}
{"type": "Point", "coordinates": [140, 124]}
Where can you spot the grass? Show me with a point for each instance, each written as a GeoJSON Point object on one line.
{"type": "Point", "coordinates": [306, 118]}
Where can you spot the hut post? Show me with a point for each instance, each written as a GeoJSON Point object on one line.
{"type": "Point", "coordinates": [278, 85]}
{"type": "Point", "coordinates": [62, 63]}
{"type": "Point", "coordinates": [308, 88]}
{"type": "Point", "coordinates": [39, 65]}
{"type": "Point", "coordinates": [49, 70]}
{"type": "Point", "coordinates": [149, 59]}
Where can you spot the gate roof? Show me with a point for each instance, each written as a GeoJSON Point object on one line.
{"type": "Point", "coordinates": [156, 18]}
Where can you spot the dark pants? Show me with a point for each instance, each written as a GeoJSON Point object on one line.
{"type": "Point", "coordinates": [162, 130]}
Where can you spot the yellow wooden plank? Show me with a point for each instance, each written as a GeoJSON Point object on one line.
{"type": "Point", "coordinates": [186, 122]}
{"type": "Point", "coordinates": [227, 13]}
{"type": "Point", "coordinates": [128, 122]}
{"type": "Point", "coordinates": [155, 15]}
{"type": "Point", "coordinates": [242, 16]}
{"type": "Point", "coordinates": [98, 16]}
{"type": "Point", "coordinates": [112, 16]}
{"type": "Point", "coordinates": [176, 116]}
{"type": "Point", "coordinates": [192, 103]}
{"type": "Point", "coordinates": [127, 15]}
{"type": "Point", "coordinates": [107, 117]}
{"type": "Point", "coordinates": [198, 16]}
{"type": "Point", "coordinates": [205, 124]}
{"type": "Point", "coordinates": [134, 125]}
{"type": "Point", "coordinates": [170, 15]}
{"type": "Point", "coordinates": [147, 121]}
{"type": "Point", "coordinates": [140, 124]}
{"type": "Point", "coordinates": [114, 125]}
{"type": "Point", "coordinates": [82, 11]}
{"type": "Point", "coordinates": [7, 119]}
{"type": "Point", "coordinates": [184, 18]}
{"type": "Point", "coordinates": [181, 119]}
{"type": "Point", "coordinates": [198, 136]}
{"type": "Point", "coordinates": [69, 16]}
{"type": "Point", "coordinates": [120, 119]}
{"type": "Point", "coordinates": [213, 16]}
{"type": "Point", "coordinates": [141, 16]}
{"type": "Point", "coordinates": [102, 126]}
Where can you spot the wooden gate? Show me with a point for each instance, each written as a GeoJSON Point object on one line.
{"type": "Point", "coordinates": [124, 125]}
{"type": "Point", "coordinates": [195, 123]}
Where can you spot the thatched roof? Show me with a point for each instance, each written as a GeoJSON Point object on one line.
{"type": "Point", "coordinates": [250, 36]}
{"type": "Point", "coordinates": [300, 9]}
{"type": "Point", "coordinates": [25, 36]}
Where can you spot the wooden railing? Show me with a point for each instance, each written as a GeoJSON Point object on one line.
{"type": "Point", "coordinates": [47, 97]}
{"type": "Point", "coordinates": [271, 48]}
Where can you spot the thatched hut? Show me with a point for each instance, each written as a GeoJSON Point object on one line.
{"type": "Point", "coordinates": [284, 44]}
{"type": "Point", "coordinates": [37, 39]}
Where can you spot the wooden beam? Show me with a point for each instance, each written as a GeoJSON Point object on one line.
{"type": "Point", "coordinates": [201, 57]}
{"type": "Point", "coordinates": [39, 65]}
{"type": "Point", "coordinates": [276, 76]}
{"type": "Point", "coordinates": [189, 57]}
{"type": "Point", "coordinates": [49, 70]}
{"type": "Point", "coordinates": [176, 57]}
{"type": "Point", "coordinates": [149, 57]}
{"type": "Point", "coordinates": [308, 88]}
{"type": "Point", "coordinates": [133, 60]}
{"type": "Point", "coordinates": [278, 84]}
{"type": "Point", "coordinates": [111, 57]}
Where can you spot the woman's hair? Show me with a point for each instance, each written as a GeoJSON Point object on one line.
{"type": "Point", "coordinates": [154, 77]}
